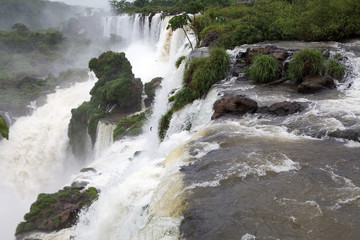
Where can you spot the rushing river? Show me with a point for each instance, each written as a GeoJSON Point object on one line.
{"type": "Point", "coordinates": [247, 177]}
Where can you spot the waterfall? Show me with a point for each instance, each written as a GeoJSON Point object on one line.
{"type": "Point", "coordinates": [36, 158]}
{"type": "Point", "coordinates": [238, 178]}
{"type": "Point", "coordinates": [104, 137]}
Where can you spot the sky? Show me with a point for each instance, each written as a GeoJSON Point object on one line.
{"type": "Point", "coordinates": [89, 3]}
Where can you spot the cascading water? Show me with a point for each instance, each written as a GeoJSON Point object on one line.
{"type": "Point", "coordinates": [251, 177]}
{"type": "Point", "coordinates": [36, 157]}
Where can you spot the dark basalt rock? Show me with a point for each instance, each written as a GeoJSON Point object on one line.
{"type": "Point", "coordinates": [279, 54]}
{"type": "Point", "coordinates": [348, 134]}
{"type": "Point", "coordinates": [210, 37]}
{"type": "Point", "coordinates": [237, 69]}
{"type": "Point", "coordinates": [234, 105]}
{"type": "Point", "coordinates": [316, 84]}
{"type": "Point", "coordinates": [285, 108]}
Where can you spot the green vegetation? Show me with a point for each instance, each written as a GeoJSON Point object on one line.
{"type": "Point", "coordinates": [45, 212]}
{"type": "Point", "coordinates": [264, 69]}
{"type": "Point", "coordinates": [151, 86]}
{"type": "Point", "coordinates": [200, 74]}
{"type": "Point", "coordinates": [4, 130]}
{"type": "Point", "coordinates": [37, 14]}
{"type": "Point", "coordinates": [130, 126]}
{"type": "Point", "coordinates": [180, 21]}
{"type": "Point", "coordinates": [164, 124]}
{"type": "Point", "coordinates": [311, 62]}
{"type": "Point", "coordinates": [334, 68]}
{"type": "Point", "coordinates": [116, 89]}
{"type": "Point", "coordinates": [167, 6]}
{"type": "Point", "coordinates": [179, 61]}
{"type": "Point", "coordinates": [307, 62]}
{"type": "Point", "coordinates": [310, 20]}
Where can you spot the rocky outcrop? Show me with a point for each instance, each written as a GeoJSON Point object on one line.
{"type": "Point", "coordinates": [150, 88]}
{"type": "Point", "coordinates": [209, 38]}
{"type": "Point", "coordinates": [316, 84]}
{"type": "Point", "coordinates": [349, 134]}
{"type": "Point", "coordinates": [56, 211]}
{"type": "Point", "coordinates": [273, 51]}
{"type": "Point", "coordinates": [238, 104]}
{"type": "Point", "coordinates": [285, 108]}
{"type": "Point", "coordinates": [234, 105]}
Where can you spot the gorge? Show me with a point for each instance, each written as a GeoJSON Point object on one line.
{"type": "Point", "coordinates": [239, 176]}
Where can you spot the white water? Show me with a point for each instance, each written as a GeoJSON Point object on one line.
{"type": "Point", "coordinates": [36, 158]}
{"type": "Point", "coordinates": [141, 196]}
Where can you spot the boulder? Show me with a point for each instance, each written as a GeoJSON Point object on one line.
{"type": "Point", "coordinates": [349, 134]}
{"type": "Point", "coordinates": [237, 69]}
{"type": "Point", "coordinates": [273, 51]}
{"type": "Point", "coordinates": [199, 52]}
{"type": "Point", "coordinates": [285, 108]}
{"type": "Point", "coordinates": [279, 54]}
{"type": "Point", "coordinates": [316, 84]}
{"type": "Point", "coordinates": [234, 105]}
{"type": "Point", "coordinates": [210, 37]}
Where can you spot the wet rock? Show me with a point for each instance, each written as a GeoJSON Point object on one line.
{"type": "Point", "coordinates": [316, 84]}
{"type": "Point", "coordinates": [150, 89]}
{"type": "Point", "coordinates": [80, 184]}
{"type": "Point", "coordinates": [285, 108]}
{"type": "Point", "coordinates": [199, 52]}
{"type": "Point", "coordinates": [263, 110]}
{"type": "Point", "coordinates": [234, 105]}
{"type": "Point", "coordinates": [88, 170]}
{"type": "Point", "coordinates": [279, 54]}
{"type": "Point", "coordinates": [237, 69]}
{"type": "Point", "coordinates": [349, 134]}
{"type": "Point", "coordinates": [210, 37]}
{"type": "Point", "coordinates": [56, 211]}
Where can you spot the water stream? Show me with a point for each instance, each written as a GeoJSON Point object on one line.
{"type": "Point", "coordinates": [247, 177]}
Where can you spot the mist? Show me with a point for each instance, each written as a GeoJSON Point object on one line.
{"type": "Point", "coordinates": [104, 4]}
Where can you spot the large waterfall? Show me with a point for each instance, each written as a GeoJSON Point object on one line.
{"type": "Point", "coordinates": [244, 178]}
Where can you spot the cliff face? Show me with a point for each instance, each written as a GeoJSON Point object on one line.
{"type": "Point", "coordinates": [116, 91]}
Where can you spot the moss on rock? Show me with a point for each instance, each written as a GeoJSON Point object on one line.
{"type": "Point", "coordinates": [57, 210]}
{"type": "Point", "coordinates": [116, 89]}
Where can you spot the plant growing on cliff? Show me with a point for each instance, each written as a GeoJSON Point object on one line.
{"type": "Point", "coordinates": [264, 69]}
{"type": "Point", "coordinates": [306, 62]}
{"type": "Point", "coordinates": [180, 21]}
{"type": "Point", "coordinates": [179, 61]}
{"type": "Point", "coordinates": [116, 91]}
{"type": "Point", "coordinates": [151, 86]}
{"type": "Point", "coordinates": [130, 126]}
{"type": "Point", "coordinates": [4, 130]}
{"type": "Point", "coordinates": [200, 74]}
{"type": "Point", "coordinates": [45, 213]}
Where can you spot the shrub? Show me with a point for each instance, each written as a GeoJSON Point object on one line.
{"type": "Point", "coordinates": [200, 74]}
{"type": "Point", "coordinates": [334, 69]}
{"type": "Point", "coordinates": [164, 124]}
{"type": "Point", "coordinates": [179, 61]}
{"type": "Point", "coordinates": [264, 69]}
{"type": "Point", "coordinates": [183, 97]}
{"type": "Point", "coordinates": [129, 126]}
{"type": "Point", "coordinates": [151, 86]}
{"type": "Point", "coordinates": [306, 62]}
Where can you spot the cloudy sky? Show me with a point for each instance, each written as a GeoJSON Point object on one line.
{"type": "Point", "coordinates": [90, 3]}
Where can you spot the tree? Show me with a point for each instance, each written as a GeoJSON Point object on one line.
{"type": "Point", "coordinates": [4, 130]}
{"type": "Point", "coordinates": [179, 22]}
{"type": "Point", "coordinates": [20, 27]}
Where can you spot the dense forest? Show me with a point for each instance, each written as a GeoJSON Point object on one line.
{"type": "Point", "coordinates": [233, 23]}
